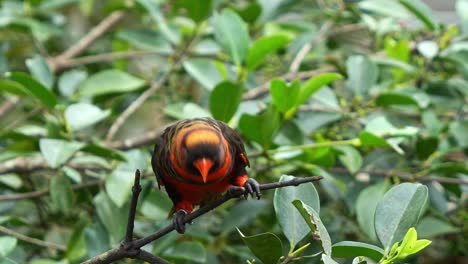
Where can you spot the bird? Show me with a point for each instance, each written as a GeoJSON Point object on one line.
{"type": "Point", "coordinates": [197, 160]}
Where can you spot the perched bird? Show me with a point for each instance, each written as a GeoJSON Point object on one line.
{"type": "Point", "coordinates": [197, 160]}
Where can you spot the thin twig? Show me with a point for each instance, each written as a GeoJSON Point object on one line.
{"type": "Point", "coordinates": [120, 252]}
{"type": "Point", "coordinates": [136, 189]}
{"type": "Point", "coordinates": [32, 240]}
{"type": "Point", "coordinates": [39, 193]}
{"type": "Point", "coordinates": [56, 63]}
{"type": "Point", "coordinates": [8, 106]}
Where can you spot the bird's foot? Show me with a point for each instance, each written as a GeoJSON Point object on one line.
{"type": "Point", "coordinates": [178, 221]}
{"type": "Point", "coordinates": [253, 188]}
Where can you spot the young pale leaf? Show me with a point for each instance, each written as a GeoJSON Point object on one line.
{"type": "Point", "coordinates": [225, 99]}
{"type": "Point", "coordinates": [110, 81]}
{"type": "Point", "coordinates": [231, 32]}
{"type": "Point", "coordinates": [263, 47]}
{"type": "Point", "coordinates": [366, 204]}
{"type": "Point", "coordinates": [262, 127]}
{"type": "Point", "coordinates": [40, 70]}
{"type": "Point", "coordinates": [57, 151]}
{"type": "Point", "coordinates": [204, 71]}
{"type": "Point", "coordinates": [350, 157]}
{"type": "Point", "coordinates": [7, 245]}
{"type": "Point", "coordinates": [362, 74]}
{"type": "Point", "coordinates": [266, 246]}
{"type": "Point", "coordinates": [399, 209]}
{"type": "Point", "coordinates": [423, 12]}
{"type": "Point", "coordinates": [314, 84]}
{"type": "Point", "coordinates": [284, 97]}
{"type": "Point", "coordinates": [312, 218]}
{"type": "Point", "coordinates": [349, 249]}
{"type": "Point", "coordinates": [83, 115]}
{"type": "Point", "coordinates": [328, 260]}
{"type": "Point", "coordinates": [290, 220]}
{"type": "Point", "coordinates": [69, 81]}
{"type": "Point", "coordinates": [39, 91]}
{"type": "Point", "coordinates": [61, 193]}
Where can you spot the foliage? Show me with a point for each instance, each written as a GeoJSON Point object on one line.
{"type": "Point", "coordinates": [371, 95]}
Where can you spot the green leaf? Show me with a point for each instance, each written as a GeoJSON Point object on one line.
{"type": "Point", "coordinates": [328, 260]}
{"type": "Point", "coordinates": [146, 39]}
{"type": "Point", "coordinates": [113, 217]}
{"type": "Point", "coordinates": [7, 245]}
{"type": "Point", "coordinates": [432, 227]}
{"type": "Point", "coordinates": [204, 71]}
{"type": "Point", "coordinates": [61, 193]}
{"type": "Point", "coordinates": [263, 47]}
{"type": "Point", "coordinates": [96, 239]}
{"type": "Point", "coordinates": [156, 205]}
{"type": "Point", "coordinates": [83, 115]}
{"type": "Point", "coordinates": [314, 84]}
{"type": "Point", "coordinates": [423, 12]}
{"type": "Point", "coordinates": [221, 108]}
{"type": "Point", "coordinates": [69, 82]}
{"type": "Point", "coordinates": [366, 204]}
{"type": "Point", "coordinates": [231, 32]}
{"type": "Point", "coordinates": [266, 246]}
{"type": "Point", "coordinates": [197, 10]}
{"type": "Point", "coordinates": [388, 99]}
{"type": "Point", "coordinates": [40, 70]}
{"type": "Point", "coordinates": [370, 140]}
{"type": "Point", "coordinates": [12, 87]}
{"type": "Point", "coordinates": [185, 111]}
{"type": "Point", "coordinates": [312, 218]}
{"type": "Point", "coordinates": [290, 220]}
{"type": "Point", "coordinates": [188, 251]}
{"type": "Point", "coordinates": [262, 127]}
{"type": "Point", "coordinates": [154, 11]}
{"type": "Point", "coordinates": [104, 152]}
{"type": "Point", "coordinates": [35, 88]}
{"type": "Point", "coordinates": [284, 97]}
{"type": "Point", "coordinates": [400, 208]}
{"type": "Point", "coordinates": [350, 157]}
{"type": "Point", "coordinates": [242, 214]}
{"type": "Point", "coordinates": [380, 126]}
{"type": "Point", "coordinates": [425, 146]}
{"type": "Point", "coordinates": [76, 246]}
{"type": "Point", "coordinates": [362, 74]}
{"type": "Point", "coordinates": [458, 130]}
{"type": "Point", "coordinates": [110, 81]}
{"type": "Point", "coordinates": [349, 249]}
{"type": "Point", "coordinates": [57, 151]}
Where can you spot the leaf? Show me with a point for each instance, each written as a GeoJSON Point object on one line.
{"type": "Point", "coordinates": [110, 81]}
{"type": "Point", "coordinates": [96, 239]}
{"type": "Point", "coordinates": [314, 84]}
{"type": "Point", "coordinates": [425, 146]}
{"type": "Point", "coordinates": [263, 47]}
{"type": "Point", "coordinates": [61, 193]}
{"type": "Point", "coordinates": [370, 140]}
{"type": "Point", "coordinates": [187, 250]}
{"type": "Point", "coordinates": [40, 70]}
{"type": "Point", "coordinates": [104, 152]}
{"type": "Point", "coordinates": [57, 151]}
{"type": "Point", "coordinates": [366, 205]}
{"type": "Point", "coordinates": [423, 12]}
{"type": "Point", "coordinates": [430, 227]}
{"type": "Point", "coordinates": [312, 218]}
{"type": "Point", "coordinates": [458, 130]}
{"type": "Point", "coordinates": [266, 246]}
{"type": "Point", "coordinates": [231, 32]}
{"type": "Point", "coordinates": [349, 249]}
{"type": "Point", "coordinates": [69, 82]}
{"type": "Point", "coordinates": [388, 99]}
{"type": "Point", "coordinates": [83, 115]}
{"type": "Point", "coordinates": [39, 91]}
{"type": "Point", "coordinates": [362, 74]}
{"type": "Point", "coordinates": [380, 126]}
{"type": "Point", "coordinates": [185, 111]}
{"type": "Point", "coordinates": [350, 157]}
{"type": "Point", "coordinates": [7, 245]}
{"type": "Point", "coordinates": [12, 87]}
{"type": "Point", "coordinates": [146, 39]}
{"type": "Point", "coordinates": [225, 99]}
{"type": "Point", "coordinates": [113, 217]}
{"type": "Point", "coordinates": [328, 260]}
{"type": "Point", "coordinates": [284, 97]}
{"type": "Point", "coordinates": [153, 9]}
{"type": "Point", "coordinates": [204, 71]}
{"type": "Point", "coordinates": [260, 128]}
{"type": "Point", "coordinates": [290, 220]}
{"type": "Point", "coordinates": [400, 208]}
{"type": "Point", "coordinates": [197, 10]}
{"type": "Point", "coordinates": [428, 49]}
{"type": "Point", "coordinates": [156, 205]}
{"type": "Point", "coordinates": [241, 215]}
{"type": "Point", "coordinates": [76, 246]}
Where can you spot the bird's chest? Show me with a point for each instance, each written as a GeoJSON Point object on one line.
{"type": "Point", "coordinates": [197, 193]}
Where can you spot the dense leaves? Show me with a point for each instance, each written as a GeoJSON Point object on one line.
{"type": "Point", "coordinates": [369, 94]}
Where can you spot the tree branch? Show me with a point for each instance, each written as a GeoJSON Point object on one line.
{"type": "Point", "coordinates": [57, 63]}
{"type": "Point", "coordinates": [32, 240]}
{"type": "Point", "coordinates": [132, 248]}
{"type": "Point", "coordinates": [8, 106]}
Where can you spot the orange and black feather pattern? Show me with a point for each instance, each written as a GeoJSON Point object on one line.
{"type": "Point", "coordinates": [185, 142]}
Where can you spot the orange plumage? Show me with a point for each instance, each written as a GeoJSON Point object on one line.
{"type": "Point", "coordinates": [197, 160]}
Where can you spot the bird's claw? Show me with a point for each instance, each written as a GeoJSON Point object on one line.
{"type": "Point", "coordinates": [253, 188]}
{"type": "Point", "coordinates": [178, 221]}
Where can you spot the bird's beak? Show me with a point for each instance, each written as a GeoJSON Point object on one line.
{"type": "Point", "coordinates": [203, 166]}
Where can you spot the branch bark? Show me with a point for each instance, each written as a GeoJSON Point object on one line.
{"type": "Point", "coordinates": [132, 248]}
{"type": "Point", "coordinates": [31, 240]}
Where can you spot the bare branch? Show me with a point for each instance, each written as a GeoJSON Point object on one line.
{"type": "Point", "coordinates": [8, 106]}
{"type": "Point", "coordinates": [31, 240]}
